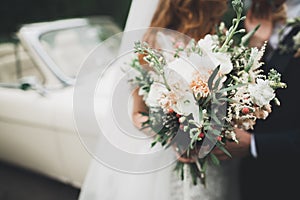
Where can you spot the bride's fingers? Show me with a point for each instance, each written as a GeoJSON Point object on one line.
{"type": "Point", "coordinates": [223, 157]}
{"type": "Point", "coordinates": [182, 159]}
{"type": "Point", "coordinates": [220, 154]}
{"type": "Point", "coordinates": [185, 160]}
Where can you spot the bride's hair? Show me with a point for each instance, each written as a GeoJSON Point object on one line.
{"type": "Point", "coordinates": [195, 18]}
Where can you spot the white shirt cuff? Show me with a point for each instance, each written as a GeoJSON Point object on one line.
{"type": "Point", "coordinates": [253, 149]}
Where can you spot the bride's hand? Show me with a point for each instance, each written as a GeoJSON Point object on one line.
{"type": "Point", "coordinates": [185, 160]}
{"type": "Point", "coordinates": [184, 157]}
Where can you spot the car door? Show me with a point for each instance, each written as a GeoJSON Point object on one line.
{"type": "Point", "coordinates": [37, 129]}
{"type": "Point", "coordinates": [26, 135]}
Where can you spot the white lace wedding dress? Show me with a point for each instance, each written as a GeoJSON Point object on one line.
{"type": "Point", "coordinates": [103, 183]}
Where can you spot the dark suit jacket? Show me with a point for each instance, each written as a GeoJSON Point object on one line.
{"type": "Point", "coordinates": [275, 174]}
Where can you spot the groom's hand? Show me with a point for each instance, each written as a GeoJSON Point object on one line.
{"type": "Point", "coordinates": [237, 150]}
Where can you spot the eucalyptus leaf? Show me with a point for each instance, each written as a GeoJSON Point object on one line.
{"type": "Point", "coordinates": [212, 77]}
{"type": "Point", "coordinates": [215, 118]}
{"type": "Point", "coordinates": [214, 159]}
{"type": "Point", "coordinates": [230, 88]}
{"type": "Point", "coordinates": [222, 148]}
{"type": "Point", "coordinates": [217, 83]}
{"type": "Point", "coordinates": [246, 38]}
{"type": "Point", "coordinates": [200, 114]}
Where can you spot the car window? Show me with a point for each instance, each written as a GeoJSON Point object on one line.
{"type": "Point", "coordinates": [69, 47]}
{"type": "Point", "coordinates": [15, 64]}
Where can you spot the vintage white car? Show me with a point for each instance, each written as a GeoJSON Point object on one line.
{"type": "Point", "coordinates": [37, 76]}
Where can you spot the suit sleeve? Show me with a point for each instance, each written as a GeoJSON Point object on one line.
{"type": "Point", "coordinates": [278, 144]}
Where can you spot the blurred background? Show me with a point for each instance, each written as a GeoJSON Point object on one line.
{"type": "Point", "coordinates": [39, 148]}
{"type": "Point", "coordinates": [14, 13]}
{"type": "Point", "coordinates": [40, 151]}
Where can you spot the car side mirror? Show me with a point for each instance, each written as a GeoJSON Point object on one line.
{"type": "Point", "coordinates": [32, 83]}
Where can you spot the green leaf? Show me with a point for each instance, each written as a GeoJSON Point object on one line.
{"type": "Point", "coordinates": [194, 173]}
{"type": "Point", "coordinates": [217, 83]}
{"type": "Point", "coordinates": [215, 132]}
{"type": "Point", "coordinates": [153, 144]}
{"type": "Point", "coordinates": [215, 118]}
{"type": "Point", "coordinates": [204, 164]}
{"type": "Point", "coordinates": [207, 100]}
{"type": "Point", "coordinates": [144, 127]}
{"type": "Point", "coordinates": [179, 169]}
{"type": "Point", "coordinates": [230, 88]}
{"type": "Point", "coordinates": [157, 138]}
{"type": "Point", "coordinates": [222, 148]}
{"type": "Point", "coordinates": [246, 38]}
{"type": "Point", "coordinates": [144, 113]}
{"type": "Point", "coordinates": [214, 159]}
{"type": "Point", "coordinates": [226, 99]}
{"type": "Point", "coordinates": [200, 114]}
{"type": "Point", "coordinates": [194, 140]}
{"type": "Point", "coordinates": [212, 77]}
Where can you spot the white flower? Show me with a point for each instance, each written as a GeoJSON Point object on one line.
{"type": "Point", "coordinates": [296, 39]}
{"type": "Point", "coordinates": [157, 90]}
{"type": "Point", "coordinates": [210, 59]}
{"type": "Point", "coordinates": [204, 64]}
{"type": "Point", "coordinates": [179, 98]}
{"type": "Point", "coordinates": [255, 57]}
{"type": "Point", "coordinates": [186, 105]}
{"type": "Point", "coordinates": [184, 69]}
{"type": "Point", "coordinates": [261, 93]}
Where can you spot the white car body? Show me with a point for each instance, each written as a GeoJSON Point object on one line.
{"type": "Point", "coordinates": [37, 129]}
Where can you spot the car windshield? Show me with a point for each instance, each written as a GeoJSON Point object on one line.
{"type": "Point", "coordinates": [69, 47]}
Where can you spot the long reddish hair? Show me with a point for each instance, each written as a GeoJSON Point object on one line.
{"type": "Point", "coordinates": [195, 18]}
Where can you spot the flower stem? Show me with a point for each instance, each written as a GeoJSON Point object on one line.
{"type": "Point", "coordinates": [238, 8]}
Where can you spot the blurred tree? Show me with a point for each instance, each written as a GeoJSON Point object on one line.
{"type": "Point", "coordinates": [14, 13]}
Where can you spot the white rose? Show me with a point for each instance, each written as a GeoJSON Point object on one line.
{"type": "Point", "coordinates": [186, 105]}
{"type": "Point", "coordinates": [261, 93]}
{"type": "Point", "coordinates": [180, 70]}
{"type": "Point", "coordinates": [210, 59]}
{"type": "Point", "coordinates": [157, 90]}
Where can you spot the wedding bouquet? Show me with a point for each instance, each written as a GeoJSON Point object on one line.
{"type": "Point", "coordinates": [199, 95]}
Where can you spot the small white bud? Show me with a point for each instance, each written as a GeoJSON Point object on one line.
{"type": "Point", "coordinates": [182, 119]}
